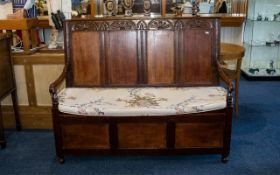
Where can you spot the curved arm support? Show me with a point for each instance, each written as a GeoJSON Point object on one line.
{"type": "Point", "coordinates": [228, 82]}
{"type": "Point", "coordinates": [54, 85]}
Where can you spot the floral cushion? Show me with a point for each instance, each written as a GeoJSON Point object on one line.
{"type": "Point", "coordinates": [147, 101]}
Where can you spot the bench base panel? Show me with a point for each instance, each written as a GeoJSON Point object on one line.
{"type": "Point", "coordinates": [202, 133]}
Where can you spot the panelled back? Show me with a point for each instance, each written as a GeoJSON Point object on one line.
{"type": "Point", "coordinates": [160, 57]}
{"type": "Point", "coordinates": [195, 63]}
{"type": "Point", "coordinates": [121, 57]}
{"type": "Point", "coordinates": [86, 58]}
{"type": "Point", "coordinates": [142, 51]}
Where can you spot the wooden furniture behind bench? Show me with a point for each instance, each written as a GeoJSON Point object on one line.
{"type": "Point", "coordinates": [231, 57]}
{"type": "Point", "coordinates": [142, 52]}
{"type": "Point", "coordinates": [7, 82]}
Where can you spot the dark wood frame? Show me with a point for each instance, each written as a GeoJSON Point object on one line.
{"type": "Point", "coordinates": [7, 86]}
{"type": "Point", "coordinates": [137, 135]}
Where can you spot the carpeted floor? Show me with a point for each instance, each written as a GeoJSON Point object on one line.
{"type": "Point", "coordinates": [255, 148]}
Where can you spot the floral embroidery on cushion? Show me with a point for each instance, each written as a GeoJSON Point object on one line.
{"type": "Point", "coordinates": [98, 111]}
{"type": "Point", "coordinates": [181, 107]}
{"type": "Point", "coordinates": [141, 100]}
{"type": "Point", "coordinates": [82, 110]}
{"type": "Point", "coordinates": [63, 96]}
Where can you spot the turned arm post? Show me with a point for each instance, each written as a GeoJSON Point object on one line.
{"type": "Point", "coordinates": [53, 87]}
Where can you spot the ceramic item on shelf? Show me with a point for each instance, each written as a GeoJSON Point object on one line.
{"type": "Point", "coordinates": [147, 7]}
{"type": "Point", "coordinates": [195, 8]}
{"type": "Point", "coordinates": [271, 70]}
{"type": "Point", "coordinates": [128, 4]}
{"type": "Point", "coordinates": [259, 17]}
{"type": "Point", "coordinates": [254, 70]}
{"type": "Point", "coordinates": [110, 6]}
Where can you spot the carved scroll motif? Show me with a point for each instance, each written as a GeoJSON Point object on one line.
{"type": "Point", "coordinates": [123, 25]}
{"type": "Point", "coordinates": [84, 26]}
{"type": "Point", "coordinates": [199, 24]}
{"type": "Point", "coordinates": [179, 25]}
{"type": "Point", "coordinates": [160, 24]}
{"type": "Point", "coordinates": [95, 26]}
{"type": "Point", "coordinates": [103, 26]}
{"type": "Point", "coordinates": [142, 25]}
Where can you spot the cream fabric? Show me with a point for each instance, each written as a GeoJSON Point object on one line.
{"type": "Point", "coordinates": [141, 101]}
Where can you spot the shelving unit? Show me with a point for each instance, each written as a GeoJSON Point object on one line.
{"type": "Point", "coordinates": [28, 28]}
{"type": "Point", "coordinates": [262, 40]}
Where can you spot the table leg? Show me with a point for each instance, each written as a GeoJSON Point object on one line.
{"type": "Point", "coordinates": [34, 38]}
{"type": "Point", "coordinates": [26, 40]}
{"type": "Point", "coordinates": [15, 107]}
{"type": "Point", "coordinates": [2, 136]}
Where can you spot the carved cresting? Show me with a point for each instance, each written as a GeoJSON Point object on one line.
{"type": "Point", "coordinates": [142, 25]}
{"type": "Point", "coordinates": [198, 23]}
{"type": "Point", "coordinates": [123, 25]}
{"type": "Point", "coordinates": [94, 25]}
{"type": "Point", "coordinates": [179, 25]}
{"type": "Point", "coordinates": [154, 24]}
{"type": "Point", "coordinates": [160, 24]}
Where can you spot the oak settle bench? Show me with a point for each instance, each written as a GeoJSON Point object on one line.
{"type": "Point", "coordinates": [142, 86]}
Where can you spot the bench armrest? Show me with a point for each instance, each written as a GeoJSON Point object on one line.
{"type": "Point", "coordinates": [53, 86]}
{"type": "Point", "coordinates": [228, 82]}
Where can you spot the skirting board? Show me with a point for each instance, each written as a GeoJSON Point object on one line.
{"type": "Point", "coordinates": [38, 117]}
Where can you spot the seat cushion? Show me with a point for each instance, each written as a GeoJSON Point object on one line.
{"type": "Point", "coordinates": [147, 101]}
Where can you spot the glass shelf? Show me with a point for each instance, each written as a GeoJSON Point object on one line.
{"type": "Point", "coordinates": [262, 39]}
{"type": "Point", "coordinates": [263, 44]}
{"type": "Point", "coordinates": [261, 73]}
{"type": "Point", "coordinates": [276, 21]}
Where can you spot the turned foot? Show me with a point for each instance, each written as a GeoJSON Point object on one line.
{"type": "Point", "coordinates": [60, 160]}
{"type": "Point", "coordinates": [224, 159]}
{"type": "Point", "coordinates": [3, 145]}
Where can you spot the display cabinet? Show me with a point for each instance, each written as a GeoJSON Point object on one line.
{"type": "Point", "coordinates": [262, 40]}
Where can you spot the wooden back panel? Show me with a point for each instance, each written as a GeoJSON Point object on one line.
{"type": "Point", "coordinates": [142, 51]}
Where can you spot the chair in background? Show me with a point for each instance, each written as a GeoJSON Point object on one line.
{"type": "Point", "coordinates": [231, 58]}
{"type": "Point", "coordinates": [7, 85]}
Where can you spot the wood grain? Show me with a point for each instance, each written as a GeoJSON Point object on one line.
{"type": "Point", "coordinates": [199, 135]}
{"type": "Point", "coordinates": [30, 85]}
{"type": "Point", "coordinates": [160, 60]}
{"type": "Point", "coordinates": [37, 117]}
{"type": "Point", "coordinates": [85, 136]}
{"type": "Point", "coordinates": [141, 135]}
{"type": "Point", "coordinates": [121, 57]}
{"type": "Point", "coordinates": [86, 58]}
{"type": "Point", "coordinates": [194, 68]}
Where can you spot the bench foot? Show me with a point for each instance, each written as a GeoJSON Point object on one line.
{"type": "Point", "coordinates": [60, 160]}
{"type": "Point", "coordinates": [3, 145]}
{"type": "Point", "coordinates": [224, 159]}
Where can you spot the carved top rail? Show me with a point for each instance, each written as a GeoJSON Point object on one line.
{"type": "Point", "coordinates": [142, 51]}
{"type": "Point", "coordinates": [140, 24]}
